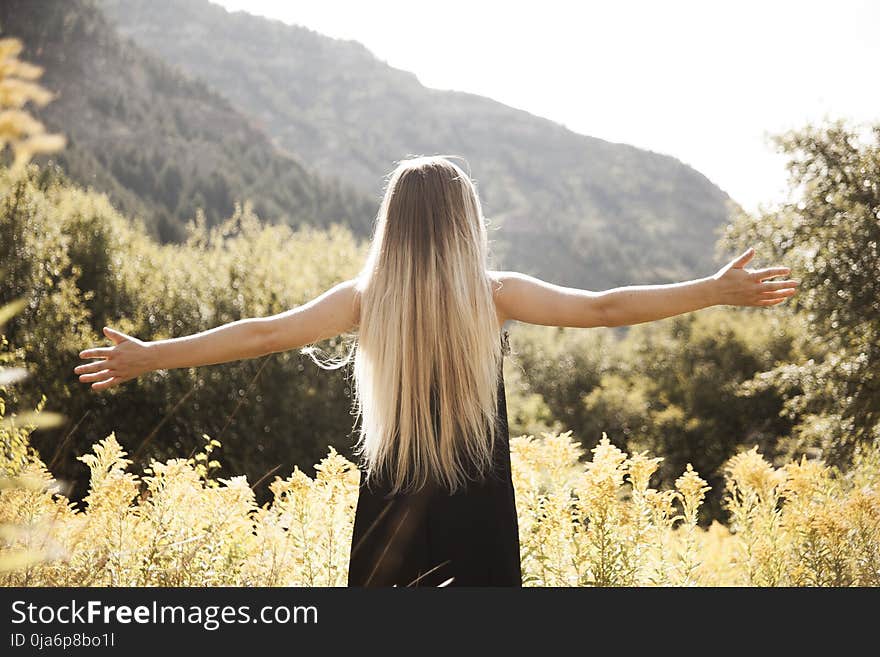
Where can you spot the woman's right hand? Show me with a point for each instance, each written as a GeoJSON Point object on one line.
{"type": "Point", "coordinates": [127, 359]}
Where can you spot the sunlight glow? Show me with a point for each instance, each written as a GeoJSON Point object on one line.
{"type": "Point", "coordinates": [703, 82]}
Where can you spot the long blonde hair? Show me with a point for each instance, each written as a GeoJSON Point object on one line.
{"type": "Point", "coordinates": [428, 348]}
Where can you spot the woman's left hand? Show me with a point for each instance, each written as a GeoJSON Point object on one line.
{"type": "Point", "coordinates": [127, 359]}
{"type": "Point", "coordinates": [738, 286]}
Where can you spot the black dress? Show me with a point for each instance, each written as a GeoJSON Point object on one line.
{"type": "Point", "coordinates": [427, 538]}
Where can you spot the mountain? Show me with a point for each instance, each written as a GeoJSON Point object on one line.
{"type": "Point", "coordinates": [160, 143]}
{"type": "Point", "coordinates": [571, 208]}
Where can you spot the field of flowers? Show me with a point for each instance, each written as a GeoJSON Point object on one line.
{"type": "Point", "coordinates": [595, 522]}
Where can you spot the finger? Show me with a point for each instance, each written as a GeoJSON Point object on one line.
{"type": "Point", "coordinates": [774, 294]}
{"type": "Point", "coordinates": [97, 376]}
{"type": "Point", "coordinates": [770, 302]}
{"type": "Point", "coordinates": [777, 285]}
{"type": "Point", "coordinates": [113, 334]}
{"type": "Point", "coordinates": [96, 352]}
{"type": "Point", "coordinates": [770, 272]}
{"type": "Point", "coordinates": [103, 385]}
{"type": "Point", "coordinates": [94, 366]}
{"type": "Point", "coordinates": [744, 258]}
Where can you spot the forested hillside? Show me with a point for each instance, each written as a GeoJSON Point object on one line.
{"type": "Point", "coordinates": [575, 209]}
{"type": "Point", "coordinates": [160, 143]}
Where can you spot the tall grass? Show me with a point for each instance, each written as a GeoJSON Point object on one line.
{"type": "Point", "coordinates": [595, 522]}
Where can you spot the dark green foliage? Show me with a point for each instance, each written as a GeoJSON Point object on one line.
{"type": "Point", "coordinates": [561, 365]}
{"type": "Point", "coordinates": [829, 233]}
{"type": "Point", "coordinates": [672, 387]}
{"type": "Point", "coordinates": [81, 266]}
{"type": "Point", "coordinates": [572, 209]}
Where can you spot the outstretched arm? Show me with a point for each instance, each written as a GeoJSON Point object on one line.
{"type": "Point", "coordinates": [528, 299]}
{"type": "Point", "coordinates": [330, 314]}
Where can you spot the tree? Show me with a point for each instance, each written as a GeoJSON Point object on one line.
{"type": "Point", "coordinates": [828, 231]}
{"type": "Point", "coordinates": [21, 132]}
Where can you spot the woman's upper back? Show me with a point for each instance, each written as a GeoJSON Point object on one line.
{"type": "Point", "coordinates": [524, 298]}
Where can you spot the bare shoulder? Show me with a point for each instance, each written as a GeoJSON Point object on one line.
{"type": "Point", "coordinates": [496, 280]}
{"type": "Point", "coordinates": [508, 288]}
{"type": "Point", "coordinates": [507, 283]}
{"type": "Point", "coordinates": [353, 291]}
{"type": "Point", "coordinates": [529, 299]}
{"type": "Point", "coordinates": [500, 278]}
{"type": "Point", "coordinates": [341, 302]}
{"type": "Point", "coordinates": [346, 289]}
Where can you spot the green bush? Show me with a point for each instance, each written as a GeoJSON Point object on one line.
{"type": "Point", "coordinates": [673, 387]}
{"type": "Point", "coordinates": [828, 231]}
{"type": "Point", "coordinates": [81, 265]}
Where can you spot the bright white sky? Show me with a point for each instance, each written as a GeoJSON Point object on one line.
{"type": "Point", "coordinates": [702, 81]}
